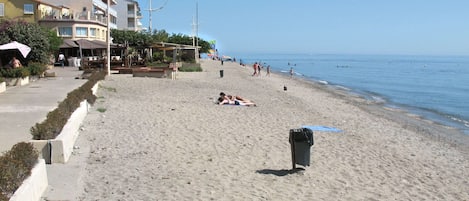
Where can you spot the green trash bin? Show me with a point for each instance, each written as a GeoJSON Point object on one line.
{"type": "Point", "coordinates": [301, 140]}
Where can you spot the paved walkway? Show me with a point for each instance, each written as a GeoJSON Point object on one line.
{"type": "Point", "coordinates": [21, 107]}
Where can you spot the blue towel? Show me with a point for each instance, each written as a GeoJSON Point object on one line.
{"type": "Point", "coordinates": [323, 128]}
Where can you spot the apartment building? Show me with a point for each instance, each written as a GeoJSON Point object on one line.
{"type": "Point", "coordinates": [129, 15]}
{"type": "Point", "coordinates": [18, 10]}
{"type": "Point", "coordinates": [76, 19]}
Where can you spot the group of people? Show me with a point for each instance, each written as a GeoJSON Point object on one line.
{"type": "Point", "coordinates": [257, 69]}
{"type": "Point", "coordinates": [234, 100]}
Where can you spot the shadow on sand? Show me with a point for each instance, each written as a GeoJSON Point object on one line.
{"type": "Point", "coordinates": [280, 173]}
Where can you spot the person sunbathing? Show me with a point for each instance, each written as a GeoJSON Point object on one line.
{"type": "Point", "coordinates": [234, 100]}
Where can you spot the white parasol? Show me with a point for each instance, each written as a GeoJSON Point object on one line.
{"type": "Point", "coordinates": [24, 49]}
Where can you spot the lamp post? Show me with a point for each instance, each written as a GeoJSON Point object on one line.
{"type": "Point", "coordinates": [197, 31]}
{"type": "Point", "coordinates": [150, 10]}
{"type": "Point", "coordinates": [108, 40]}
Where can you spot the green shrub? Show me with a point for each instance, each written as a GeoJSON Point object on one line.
{"type": "Point", "coordinates": [168, 59]}
{"type": "Point", "coordinates": [15, 167]}
{"type": "Point", "coordinates": [190, 67]}
{"type": "Point", "coordinates": [185, 57]}
{"type": "Point", "coordinates": [102, 110]}
{"type": "Point", "coordinates": [24, 72]}
{"type": "Point", "coordinates": [1, 80]}
{"type": "Point", "coordinates": [36, 68]}
{"type": "Point", "coordinates": [9, 73]}
{"type": "Point", "coordinates": [25, 153]}
{"type": "Point", "coordinates": [157, 64]}
{"type": "Point", "coordinates": [3, 197]}
{"type": "Point", "coordinates": [21, 72]}
{"type": "Point", "coordinates": [158, 56]}
{"type": "Point", "coordinates": [56, 119]}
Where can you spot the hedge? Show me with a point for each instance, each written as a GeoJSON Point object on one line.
{"type": "Point", "coordinates": [33, 68]}
{"type": "Point", "coordinates": [15, 167]}
{"type": "Point", "coordinates": [56, 119]}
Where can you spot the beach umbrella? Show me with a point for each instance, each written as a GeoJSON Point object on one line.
{"type": "Point", "coordinates": [24, 49]}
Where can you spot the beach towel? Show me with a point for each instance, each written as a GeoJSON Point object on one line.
{"type": "Point", "coordinates": [323, 128]}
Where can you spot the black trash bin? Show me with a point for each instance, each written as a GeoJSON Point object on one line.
{"type": "Point", "coordinates": [221, 73]}
{"type": "Point", "coordinates": [301, 140]}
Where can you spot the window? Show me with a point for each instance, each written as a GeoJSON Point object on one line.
{"type": "Point", "coordinates": [65, 31]}
{"type": "Point", "coordinates": [28, 9]}
{"type": "Point", "coordinates": [82, 31]}
{"type": "Point", "coordinates": [2, 11]}
{"type": "Point", "coordinates": [93, 32]}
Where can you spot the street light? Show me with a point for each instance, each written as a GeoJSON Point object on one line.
{"type": "Point", "coordinates": [108, 39]}
{"type": "Point", "coordinates": [150, 10]}
{"type": "Point", "coordinates": [196, 27]}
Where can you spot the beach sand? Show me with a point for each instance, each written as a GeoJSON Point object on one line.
{"type": "Point", "coordinates": [162, 139]}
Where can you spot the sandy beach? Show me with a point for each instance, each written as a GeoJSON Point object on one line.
{"type": "Point", "coordinates": [162, 139]}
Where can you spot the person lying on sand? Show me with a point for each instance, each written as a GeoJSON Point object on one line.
{"type": "Point", "coordinates": [223, 101]}
{"type": "Point", "coordinates": [234, 100]}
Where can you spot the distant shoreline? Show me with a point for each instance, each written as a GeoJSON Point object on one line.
{"type": "Point", "coordinates": [406, 118]}
{"type": "Point", "coordinates": [438, 117]}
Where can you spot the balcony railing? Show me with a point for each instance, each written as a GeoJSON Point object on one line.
{"type": "Point", "coordinates": [81, 16]}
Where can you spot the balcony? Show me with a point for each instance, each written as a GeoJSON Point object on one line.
{"type": "Point", "coordinates": [77, 17]}
{"type": "Point", "coordinates": [131, 14]}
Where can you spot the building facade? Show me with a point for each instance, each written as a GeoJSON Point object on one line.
{"type": "Point", "coordinates": [76, 19]}
{"type": "Point", "coordinates": [18, 10]}
{"type": "Point", "coordinates": [129, 15]}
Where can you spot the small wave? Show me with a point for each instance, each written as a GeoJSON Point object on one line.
{"type": "Point", "coordinates": [342, 88]}
{"type": "Point", "coordinates": [377, 99]}
{"type": "Point", "coordinates": [466, 123]}
{"type": "Point", "coordinates": [323, 82]}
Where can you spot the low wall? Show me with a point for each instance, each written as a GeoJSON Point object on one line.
{"type": "Point", "coordinates": [17, 81]}
{"type": "Point", "coordinates": [34, 186]}
{"type": "Point", "coordinates": [152, 72]}
{"type": "Point", "coordinates": [94, 89]}
{"type": "Point", "coordinates": [3, 87]}
{"type": "Point", "coordinates": [60, 149]}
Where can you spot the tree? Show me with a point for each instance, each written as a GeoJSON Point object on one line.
{"type": "Point", "coordinates": [54, 40]}
{"type": "Point", "coordinates": [146, 39]}
{"type": "Point", "coordinates": [31, 34]}
{"type": "Point", "coordinates": [132, 38]}
{"type": "Point", "coordinates": [160, 36]}
{"type": "Point", "coordinates": [187, 40]}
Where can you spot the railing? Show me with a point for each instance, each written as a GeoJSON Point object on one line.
{"type": "Point", "coordinates": [82, 16]}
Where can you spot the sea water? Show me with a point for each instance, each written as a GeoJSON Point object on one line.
{"type": "Point", "coordinates": [434, 87]}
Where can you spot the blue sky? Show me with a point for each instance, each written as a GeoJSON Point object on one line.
{"type": "Point", "coordinates": [409, 27]}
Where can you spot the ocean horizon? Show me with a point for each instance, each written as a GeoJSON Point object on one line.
{"type": "Point", "coordinates": [433, 87]}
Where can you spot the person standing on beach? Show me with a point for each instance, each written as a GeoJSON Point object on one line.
{"type": "Point", "coordinates": [291, 72]}
{"type": "Point", "coordinates": [259, 69]}
{"type": "Point", "coordinates": [255, 68]}
{"type": "Point", "coordinates": [268, 71]}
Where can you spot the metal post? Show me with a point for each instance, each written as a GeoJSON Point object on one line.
{"type": "Point", "coordinates": [197, 32]}
{"type": "Point", "coordinates": [108, 40]}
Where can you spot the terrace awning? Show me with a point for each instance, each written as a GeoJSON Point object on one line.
{"type": "Point", "coordinates": [68, 43]}
{"type": "Point", "coordinates": [91, 44]}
